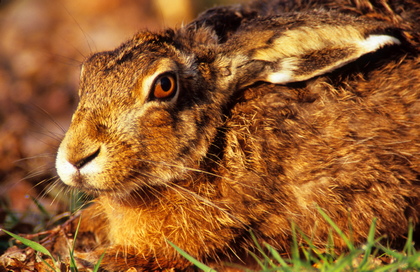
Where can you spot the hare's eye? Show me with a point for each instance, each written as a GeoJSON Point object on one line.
{"type": "Point", "coordinates": [164, 87]}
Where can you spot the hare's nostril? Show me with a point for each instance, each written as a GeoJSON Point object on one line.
{"type": "Point", "coordinates": [79, 164]}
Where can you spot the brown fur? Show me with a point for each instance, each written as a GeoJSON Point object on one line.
{"type": "Point", "coordinates": [233, 152]}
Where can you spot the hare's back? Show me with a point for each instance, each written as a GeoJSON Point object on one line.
{"type": "Point", "coordinates": [346, 126]}
{"type": "Point", "coordinates": [346, 141]}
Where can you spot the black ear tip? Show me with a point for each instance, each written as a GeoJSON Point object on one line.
{"type": "Point", "coordinates": [223, 20]}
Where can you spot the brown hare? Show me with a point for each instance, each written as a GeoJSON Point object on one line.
{"type": "Point", "coordinates": [249, 119]}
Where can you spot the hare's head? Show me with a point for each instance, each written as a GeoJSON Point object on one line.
{"type": "Point", "coordinates": [150, 110]}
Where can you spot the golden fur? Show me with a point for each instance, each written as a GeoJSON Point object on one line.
{"type": "Point", "coordinates": [280, 108]}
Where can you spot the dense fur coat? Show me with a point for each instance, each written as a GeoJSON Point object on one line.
{"type": "Point", "coordinates": [248, 119]}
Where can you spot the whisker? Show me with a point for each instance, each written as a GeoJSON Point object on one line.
{"type": "Point", "coordinates": [51, 118]}
{"type": "Point", "coordinates": [35, 173]}
{"type": "Point", "coordinates": [206, 201]}
{"type": "Point", "coordinates": [86, 36]}
{"type": "Point", "coordinates": [38, 156]}
{"type": "Point", "coordinates": [61, 188]}
{"type": "Point", "coordinates": [56, 183]}
{"type": "Point", "coordinates": [150, 188]}
{"type": "Point", "coordinates": [183, 168]}
{"type": "Point", "coordinates": [200, 171]}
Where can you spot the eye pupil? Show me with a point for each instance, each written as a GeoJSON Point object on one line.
{"type": "Point", "coordinates": [165, 84]}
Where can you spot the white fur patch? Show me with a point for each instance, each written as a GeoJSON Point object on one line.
{"type": "Point", "coordinates": [65, 170]}
{"type": "Point", "coordinates": [280, 77]}
{"type": "Point", "coordinates": [374, 42]}
{"type": "Point", "coordinates": [284, 72]}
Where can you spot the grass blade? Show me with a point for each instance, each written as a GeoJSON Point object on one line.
{"type": "Point", "coordinates": [31, 244]}
{"type": "Point", "coordinates": [192, 259]}
{"type": "Point", "coordinates": [40, 207]}
{"type": "Point", "coordinates": [258, 260]}
{"type": "Point", "coordinates": [369, 245]}
{"type": "Point", "coordinates": [337, 229]}
{"type": "Point", "coordinates": [408, 248]}
{"type": "Point", "coordinates": [34, 245]}
{"type": "Point", "coordinates": [278, 258]}
{"type": "Point", "coordinates": [98, 264]}
{"type": "Point", "coordinates": [73, 265]}
{"type": "Point", "coordinates": [267, 259]}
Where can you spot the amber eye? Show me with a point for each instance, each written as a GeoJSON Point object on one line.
{"type": "Point", "coordinates": [164, 87]}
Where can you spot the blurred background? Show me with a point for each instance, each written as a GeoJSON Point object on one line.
{"type": "Point", "coordinates": [42, 45]}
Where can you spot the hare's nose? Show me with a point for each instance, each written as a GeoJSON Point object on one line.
{"type": "Point", "coordinates": [82, 162]}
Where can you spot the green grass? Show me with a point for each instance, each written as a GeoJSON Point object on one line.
{"type": "Point", "coordinates": [306, 257]}
{"type": "Point", "coordinates": [56, 263]}
{"type": "Point", "coordinates": [35, 246]}
{"type": "Point", "coordinates": [45, 221]}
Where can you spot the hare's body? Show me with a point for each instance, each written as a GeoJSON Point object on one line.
{"type": "Point", "coordinates": [245, 120]}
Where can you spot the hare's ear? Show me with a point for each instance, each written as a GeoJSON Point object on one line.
{"type": "Point", "coordinates": [283, 50]}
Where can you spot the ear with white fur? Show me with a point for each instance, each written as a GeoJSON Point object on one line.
{"type": "Point", "coordinates": [295, 48]}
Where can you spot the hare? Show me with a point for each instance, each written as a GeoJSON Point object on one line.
{"type": "Point", "coordinates": [249, 119]}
